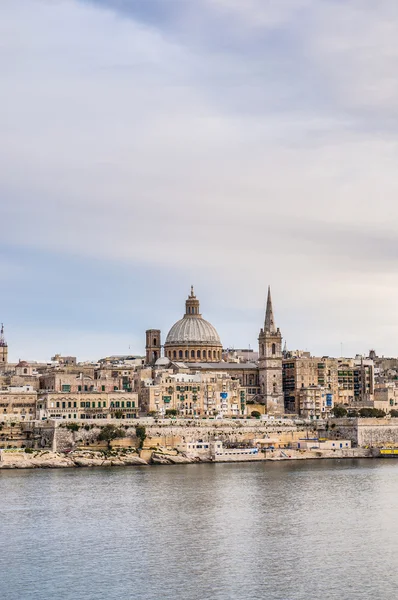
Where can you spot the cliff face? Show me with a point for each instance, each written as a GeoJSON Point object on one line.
{"type": "Point", "coordinates": [51, 460]}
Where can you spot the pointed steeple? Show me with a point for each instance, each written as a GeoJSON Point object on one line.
{"type": "Point", "coordinates": [3, 342]}
{"type": "Point", "coordinates": [269, 325]}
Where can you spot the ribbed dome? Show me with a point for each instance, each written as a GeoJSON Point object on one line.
{"type": "Point", "coordinates": [194, 330]}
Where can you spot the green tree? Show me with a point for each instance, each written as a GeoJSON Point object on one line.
{"type": "Point", "coordinates": [140, 432]}
{"type": "Point", "coordinates": [339, 411]}
{"type": "Point", "coordinates": [255, 414]}
{"type": "Point", "coordinates": [171, 412]}
{"type": "Point", "coordinates": [73, 426]}
{"type": "Point", "coordinates": [372, 413]}
{"type": "Point", "coordinates": [110, 433]}
{"type": "Point", "coordinates": [394, 412]}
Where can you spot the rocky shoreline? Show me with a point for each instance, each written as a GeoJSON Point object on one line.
{"type": "Point", "coordinates": [88, 458]}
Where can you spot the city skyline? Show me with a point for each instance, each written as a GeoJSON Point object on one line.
{"type": "Point", "coordinates": [148, 146]}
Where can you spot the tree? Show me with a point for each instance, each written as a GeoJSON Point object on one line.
{"type": "Point", "coordinates": [339, 411]}
{"type": "Point", "coordinates": [140, 432]}
{"type": "Point", "coordinates": [171, 412]}
{"type": "Point", "coordinates": [255, 414]}
{"type": "Point", "coordinates": [110, 433]}
{"type": "Point", "coordinates": [394, 412]}
{"type": "Point", "coordinates": [372, 412]}
{"type": "Point", "coordinates": [73, 426]}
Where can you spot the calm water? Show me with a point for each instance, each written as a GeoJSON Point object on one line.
{"type": "Point", "coordinates": [285, 531]}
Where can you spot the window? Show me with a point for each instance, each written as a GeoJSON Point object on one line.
{"type": "Point", "coordinates": [123, 404]}
{"type": "Point", "coordinates": [192, 353]}
{"type": "Point", "coordinates": [117, 404]}
{"type": "Point", "coordinates": [79, 388]}
{"type": "Point", "coordinates": [102, 388]}
{"type": "Point", "coordinates": [104, 404]}
{"type": "Point", "coordinates": [65, 388]}
{"type": "Point", "coordinates": [198, 353]}
{"type": "Point", "coordinates": [180, 354]}
{"type": "Point", "coordinates": [115, 388]}
{"type": "Point", "coordinates": [204, 353]}
{"type": "Point", "coordinates": [273, 349]}
{"type": "Point", "coordinates": [85, 388]}
{"type": "Point", "coordinates": [93, 404]}
{"type": "Point", "coordinates": [128, 404]}
{"type": "Point", "coordinates": [74, 405]}
{"type": "Point", "coordinates": [99, 404]}
{"type": "Point", "coordinates": [57, 404]}
{"type": "Point", "coordinates": [154, 341]}
{"type": "Point", "coordinates": [186, 353]}
{"type": "Point", "coordinates": [174, 354]}
{"type": "Point", "coordinates": [69, 404]}
{"type": "Point", "coordinates": [82, 404]}
{"type": "Point", "coordinates": [63, 404]}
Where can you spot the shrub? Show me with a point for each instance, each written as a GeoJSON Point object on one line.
{"type": "Point", "coordinates": [339, 411]}
{"type": "Point", "coordinates": [255, 414]}
{"type": "Point", "coordinates": [73, 426]}
{"type": "Point", "coordinates": [110, 433]}
{"type": "Point", "coordinates": [140, 432]}
{"type": "Point", "coordinates": [29, 450]}
{"type": "Point", "coordinates": [171, 412]}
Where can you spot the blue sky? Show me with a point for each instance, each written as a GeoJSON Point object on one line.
{"type": "Point", "coordinates": [148, 145]}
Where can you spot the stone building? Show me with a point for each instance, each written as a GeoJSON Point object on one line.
{"type": "Point", "coordinates": [315, 402]}
{"type": "Point", "coordinates": [77, 405]}
{"type": "Point", "coordinates": [192, 338]}
{"type": "Point", "coordinates": [18, 404]}
{"type": "Point", "coordinates": [193, 394]}
{"type": "Point", "coordinates": [350, 381]}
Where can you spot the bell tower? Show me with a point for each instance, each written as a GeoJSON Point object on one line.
{"type": "Point", "coordinates": [3, 348]}
{"type": "Point", "coordinates": [152, 347]}
{"type": "Point", "coordinates": [270, 362]}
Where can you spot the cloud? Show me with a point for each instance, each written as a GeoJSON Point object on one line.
{"type": "Point", "coordinates": [229, 144]}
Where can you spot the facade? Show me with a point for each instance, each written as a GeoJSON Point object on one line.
{"type": "Point", "coordinates": [18, 404]}
{"type": "Point", "coordinates": [350, 381]}
{"type": "Point", "coordinates": [270, 363]}
{"type": "Point", "coordinates": [315, 402]}
{"type": "Point", "coordinates": [193, 338]}
{"type": "Point", "coordinates": [386, 396]}
{"type": "Point", "coordinates": [87, 405]}
{"type": "Point", "coordinates": [192, 394]}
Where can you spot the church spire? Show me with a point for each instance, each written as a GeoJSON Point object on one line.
{"type": "Point", "coordinates": [3, 342]}
{"type": "Point", "coordinates": [269, 325]}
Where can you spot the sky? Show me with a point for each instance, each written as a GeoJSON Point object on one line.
{"type": "Point", "coordinates": [147, 145]}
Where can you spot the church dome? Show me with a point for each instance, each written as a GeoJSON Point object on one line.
{"type": "Point", "coordinates": [193, 332]}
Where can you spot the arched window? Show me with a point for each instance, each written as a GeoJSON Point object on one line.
{"type": "Point", "coordinates": [204, 353]}
{"type": "Point", "coordinates": [192, 353]}
{"type": "Point", "coordinates": [273, 349]}
{"type": "Point", "coordinates": [186, 353]}
{"type": "Point", "coordinates": [198, 353]}
{"type": "Point", "coordinates": [214, 354]}
{"type": "Point", "coordinates": [174, 354]}
{"type": "Point", "coordinates": [154, 341]}
{"type": "Point", "coordinates": [25, 371]}
{"type": "Point", "coordinates": [262, 349]}
{"type": "Point", "coordinates": [180, 354]}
